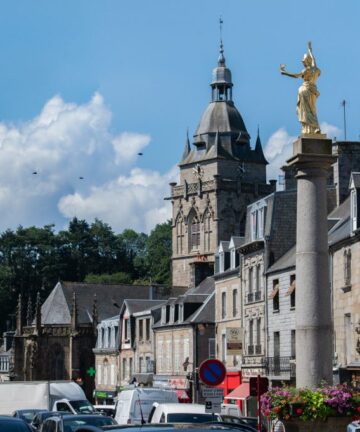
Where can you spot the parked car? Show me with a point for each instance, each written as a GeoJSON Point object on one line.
{"type": "Point", "coordinates": [70, 422]}
{"type": "Point", "coordinates": [168, 427]}
{"type": "Point", "coordinates": [26, 414]}
{"type": "Point", "coordinates": [108, 410]}
{"type": "Point", "coordinates": [250, 421]}
{"type": "Point", "coordinates": [13, 424]}
{"type": "Point", "coordinates": [134, 406]}
{"type": "Point", "coordinates": [40, 417]}
{"type": "Point", "coordinates": [180, 413]}
{"type": "Point", "coordinates": [353, 427]}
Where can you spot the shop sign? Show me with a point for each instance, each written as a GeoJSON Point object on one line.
{"type": "Point", "coordinates": [234, 341]}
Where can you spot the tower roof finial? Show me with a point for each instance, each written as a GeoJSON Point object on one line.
{"type": "Point", "coordinates": [221, 60]}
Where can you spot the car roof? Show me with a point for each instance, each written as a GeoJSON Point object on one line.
{"type": "Point", "coordinates": [182, 408]}
{"type": "Point", "coordinates": [187, 427]}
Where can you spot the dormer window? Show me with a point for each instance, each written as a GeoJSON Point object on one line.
{"type": "Point", "coordinates": [258, 223]}
{"type": "Point", "coordinates": [354, 223]}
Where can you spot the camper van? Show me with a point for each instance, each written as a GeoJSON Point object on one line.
{"type": "Point", "coordinates": [134, 406]}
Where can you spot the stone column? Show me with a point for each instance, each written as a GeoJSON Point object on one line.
{"type": "Point", "coordinates": [314, 352]}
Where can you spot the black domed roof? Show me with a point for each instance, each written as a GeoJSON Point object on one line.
{"type": "Point", "coordinates": [221, 116]}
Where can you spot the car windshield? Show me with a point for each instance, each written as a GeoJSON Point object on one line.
{"type": "Point", "coordinates": [189, 418]}
{"type": "Point", "coordinates": [70, 425]}
{"type": "Point", "coordinates": [13, 426]}
{"type": "Point", "coordinates": [82, 407]}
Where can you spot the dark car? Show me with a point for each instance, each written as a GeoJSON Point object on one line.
{"type": "Point", "coordinates": [40, 417]}
{"type": "Point", "coordinates": [13, 424]}
{"type": "Point", "coordinates": [249, 421]}
{"type": "Point", "coordinates": [26, 414]}
{"type": "Point", "coordinates": [169, 427]}
{"type": "Point", "coordinates": [70, 423]}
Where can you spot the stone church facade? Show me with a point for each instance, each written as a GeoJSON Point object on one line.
{"type": "Point", "coordinates": [220, 174]}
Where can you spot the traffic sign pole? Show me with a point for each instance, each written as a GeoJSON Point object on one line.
{"type": "Point", "coordinates": [212, 372]}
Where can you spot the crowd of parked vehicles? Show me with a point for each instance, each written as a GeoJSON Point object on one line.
{"type": "Point", "coordinates": [136, 410]}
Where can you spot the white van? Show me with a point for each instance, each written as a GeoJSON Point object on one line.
{"type": "Point", "coordinates": [181, 413]}
{"type": "Point", "coordinates": [134, 406]}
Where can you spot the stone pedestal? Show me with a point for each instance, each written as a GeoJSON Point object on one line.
{"type": "Point", "coordinates": [312, 160]}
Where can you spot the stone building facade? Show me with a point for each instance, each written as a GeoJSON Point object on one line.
{"type": "Point", "coordinates": [57, 341]}
{"type": "Point", "coordinates": [228, 302]}
{"type": "Point", "coordinates": [220, 174]}
{"type": "Point", "coordinates": [107, 360]}
{"type": "Point", "coordinates": [184, 337]}
{"type": "Point", "coordinates": [281, 333]}
{"type": "Point", "coordinates": [344, 247]}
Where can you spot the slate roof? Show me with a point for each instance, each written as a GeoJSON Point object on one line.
{"type": "Point", "coordinates": [355, 177]}
{"type": "Point", "coordinates": [138, 305]}
{"type": "Point", "coordinates": [288, 260]}
{"type": "Point", "coordinates": [57, 307]}
{"type": "Point", "coordinates": [236, 241]}
{"type": "Point", "coordinates": [206, 312]}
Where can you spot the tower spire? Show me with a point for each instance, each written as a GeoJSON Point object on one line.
{"type": "Point", "coordinates": [187, 148]}
{"type": "Point", "coordinates": [221, 60]}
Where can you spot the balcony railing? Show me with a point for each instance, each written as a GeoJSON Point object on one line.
{"type": "Point", "coordinates": [279, 366]}
{"type": "Point", "coordinates": [253, 296]}
{"type": "Point", "coordinates": [4, 364]}
{"type": "Point", "coordinates": [250, 349]}
{"type": "Point", "coordinates": [148, 367]}
{"type": "Point", "coordinates": [257, 349]}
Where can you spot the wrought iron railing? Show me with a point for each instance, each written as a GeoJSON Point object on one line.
{"type": "Point", "coordinates": [254, 296]}
{"type": "Point", "coordinates": [4, 363]}
{"type": "Point", "coordinates": [257, 349]}
{"type": "Point", "coordinates": [250, 349]}
{"type": "Point", "coordinates": [278, 366]}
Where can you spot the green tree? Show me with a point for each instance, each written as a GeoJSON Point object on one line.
{"type": "Point", "coordinates": [159, 253]}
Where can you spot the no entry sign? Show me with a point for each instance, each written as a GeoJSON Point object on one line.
{"type": "Point", "coordinates": [212, 372]}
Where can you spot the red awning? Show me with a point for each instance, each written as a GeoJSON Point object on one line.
{"type": "Point", "coordinates": [242, 392]}
{"type": "Point", "coordinates": [182, 396]}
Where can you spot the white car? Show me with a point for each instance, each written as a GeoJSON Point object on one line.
{"type": "Point", "coordinates": [180, 413]}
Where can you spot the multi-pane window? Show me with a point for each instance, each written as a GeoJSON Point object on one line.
{"type": "Point", "coordinates": [257, 223]}
{"type": "Point", "coordinates": [179, 235]}
{"type": "Point", "coordinates": [347, 266]}
{"type": "Point", "coordinates": [141, 330]}
{"type": "Point", "coordinates": [293, 343]}
{"type": "Point", "coordinates": [353, 210]}
{"type": "Point", "coordinates": [235, 302]}
{"type": "Point", "coordinates": [124, 368]}
{"type": "Point", "coordinates": [223, 347]}
{"type": "Point", "coordinates": [207, 231]}
{"type": "Point", "coordinates": [258, 336]}
{"type": "Point", "coordinates": [148, 324]}
{"type": "Point", "coordinates": [258, 276]}
{"type": "Point", "coordinates": [195, 233]}
{"type": "Point", "coordinates": [141, 365]}
{"type": "Point", "coordinates": [292, 291]}
{"type": "Point", "coordinates": [223, 305]}
{"type": "Point", "coordinates": [251, 337]}
{"type": "Point", "coordinates": [275, 296]}
{"type": "Point", "coordinates": [211, 342]}
{"type": "Point", "coordinates": [250, 276]}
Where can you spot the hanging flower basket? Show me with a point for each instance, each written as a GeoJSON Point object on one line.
{"type": "Point", "coordinates": [329, 408]}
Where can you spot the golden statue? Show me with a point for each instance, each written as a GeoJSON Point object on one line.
{"type": "Point", "coordinates": [307, 94]}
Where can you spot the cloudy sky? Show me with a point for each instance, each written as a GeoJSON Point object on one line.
{"type": "Point", "coordinates": [87, 85]}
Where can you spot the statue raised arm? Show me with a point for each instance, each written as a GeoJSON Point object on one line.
{"type": "Point", "coordinates": [307, 94]}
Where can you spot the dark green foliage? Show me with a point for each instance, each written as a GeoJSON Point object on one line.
{"type": "Point", "coordinates": [34, 259]}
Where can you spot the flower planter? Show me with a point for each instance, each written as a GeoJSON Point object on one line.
{"type": "Point", "coordinates": [331, 424]}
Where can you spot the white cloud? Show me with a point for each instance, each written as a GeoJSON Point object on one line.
{"type": "Point", "coordinates": [330, 130]}
{"type": "Point", "coordinates": [136, 200]}
{"type": "Point", "coordinates": [277, 151]}
{"type": "Point", "coordinates": [279, 148]}
{"type": "Point", "coordinates": [67, 141]}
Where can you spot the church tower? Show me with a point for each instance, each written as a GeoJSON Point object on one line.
{"type": "Point", "coordinates": [220, 174]}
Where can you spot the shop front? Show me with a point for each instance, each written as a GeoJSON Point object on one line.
{"type": "Point", "coordinates": [104, 397]}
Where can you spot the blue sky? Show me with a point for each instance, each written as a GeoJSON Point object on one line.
{"type": "Point", "coordinates": [85, 85]}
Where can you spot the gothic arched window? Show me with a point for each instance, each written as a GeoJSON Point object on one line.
{"type": "Point", "coordinates": [194, 231]}
{"type": "Point", "coordinates": [179, 235]}
{"type": "Point", "coordinates": [207, 231]}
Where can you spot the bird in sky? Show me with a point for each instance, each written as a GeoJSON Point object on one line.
{"type": "Point", "coordinates": [81, 178]}
{"type": "Point", "coordinates": [140, 154]}
{"type": "Point", "coordinates": [34, 172]}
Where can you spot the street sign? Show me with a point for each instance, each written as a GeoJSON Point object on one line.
{"type": "Point", "coordinates": [212, 372]}
{"type": "Point", "coordinates": [213, 393]}
{"type": "Point", "coordinates": [212, 407]}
